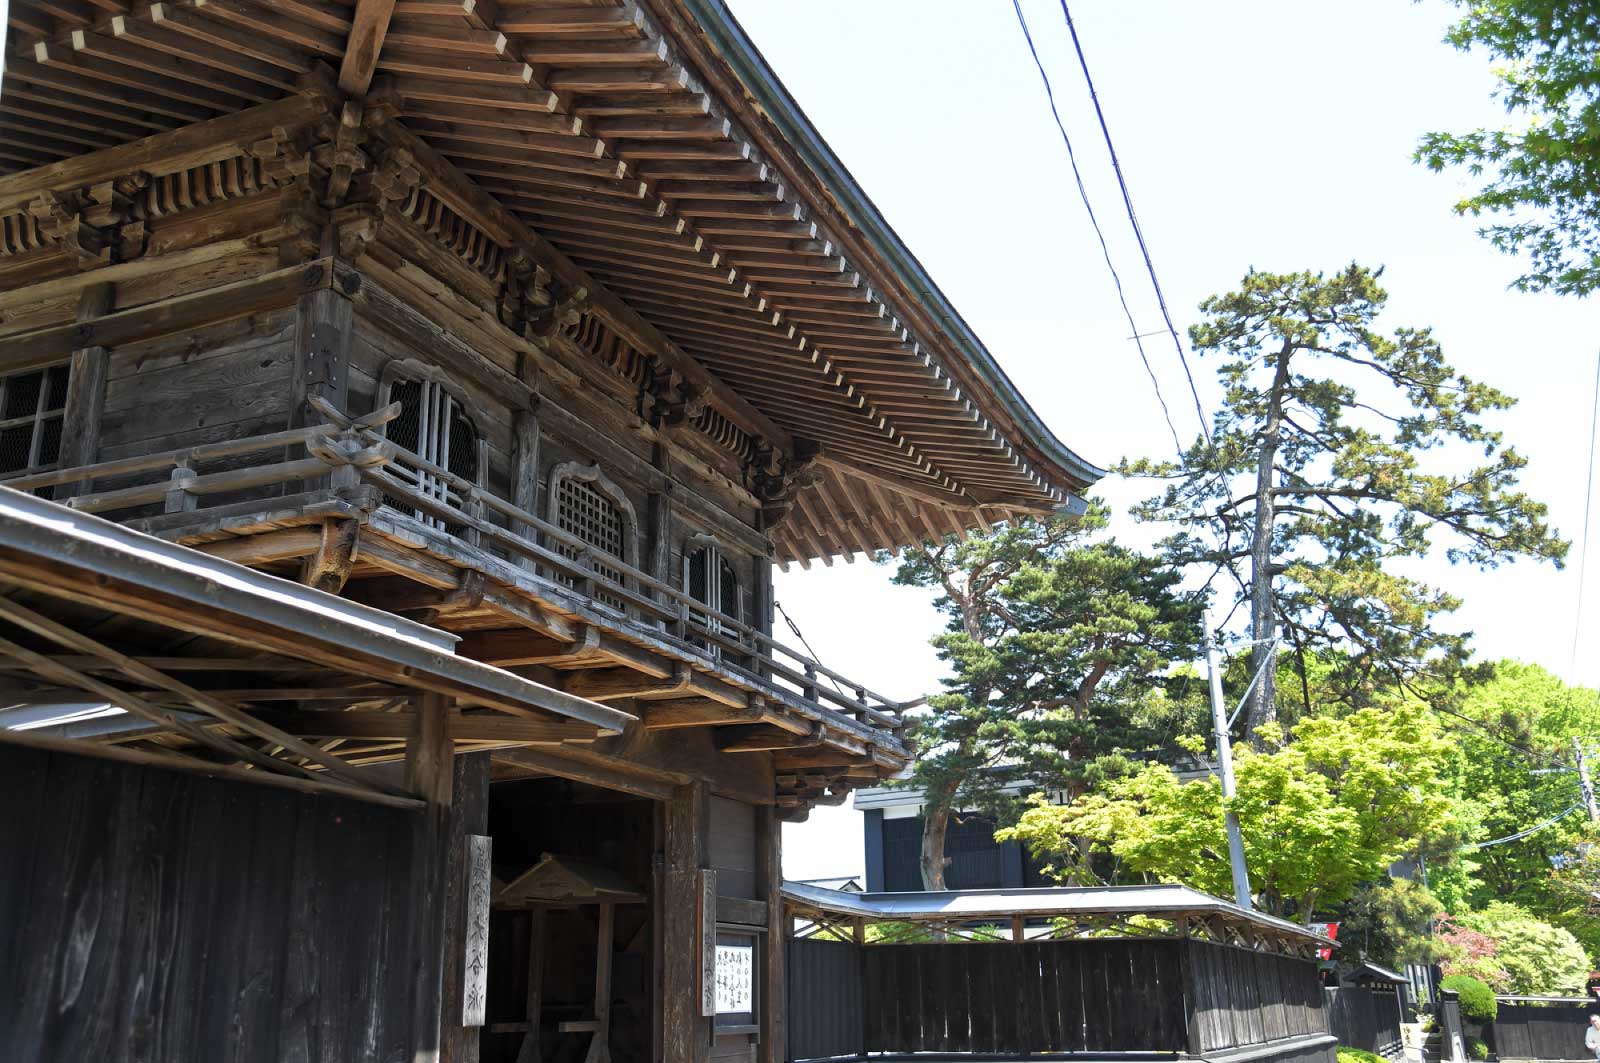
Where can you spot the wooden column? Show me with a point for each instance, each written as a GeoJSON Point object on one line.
{"type": "Point", "coordinates": [658, 515]}
{"type": "Point", "coordinates": [525, 472]}
{"type": "Point", "coordinates": [322, 333]}
{"type": "Point", "coordinates": [429, 775]}
{"type": "Point", "coordinates": [86, 393]}
{"type": "Point", "coordinates": [469, 814]}
{"type": "Point", "coordinates": [685, 1033]}
{"type": "Point", "coordinates": [769, 885]}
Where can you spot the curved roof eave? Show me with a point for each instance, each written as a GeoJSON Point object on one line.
{"type": "Point", "coordinates": [723, 31]}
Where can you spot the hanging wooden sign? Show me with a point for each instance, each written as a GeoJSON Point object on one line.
{"type": "Point", "coordinates": [475, 964]}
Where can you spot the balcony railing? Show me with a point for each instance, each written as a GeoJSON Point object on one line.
{"type": "Point", "coordinates": [346, 452]}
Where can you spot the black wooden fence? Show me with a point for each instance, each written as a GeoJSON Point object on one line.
{"type": "Point", "coordinates": [1365, 1018]}
{"type": "Point", "coordinates": [1047, 997]}
{"type": "Point", "coordinates": [1540, 1031]}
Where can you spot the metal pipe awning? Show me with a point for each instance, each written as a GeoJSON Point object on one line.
{"type": "Point", "coordinates": [1164, 901]}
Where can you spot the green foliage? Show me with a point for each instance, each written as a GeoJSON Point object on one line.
{"type": "Point", "coordinates": [1058, 641]}
{"type": "Point", "coordinates": [1477, 1048]}
{"type": "Point", "coordinates": [1320, 816]}
{"type": "Point", "coordinates": [1524, 706]}
{"type": "Point", "coordinates": [1377, 453]}
{"type": "Point", "coordinates": [1390, 923]}
{"type": "Point", "coordinates": [1477, 1000]}
{"type": "Point", "coordinates": [1358, 1055]}
{"type": "Point", "coordinates": [1537, 958]}
{"type": "Point", "coordinates": [1541, 174]}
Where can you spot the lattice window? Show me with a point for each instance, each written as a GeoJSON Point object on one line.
{"type": "Point", "coordinates": [584, 508]}
{"type": "Point", "coordinates": [433, 426]}
{"type": "Point", "coordinates": [31, 409]}
{"type": "Point", "coordinates": [709, 578]}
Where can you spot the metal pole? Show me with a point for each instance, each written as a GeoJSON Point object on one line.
{"type": "Point", "coordinates": [1583, 781]}
{"type": "Point", "coordinates": [1219, 717]}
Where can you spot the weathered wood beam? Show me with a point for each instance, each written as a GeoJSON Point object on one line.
{"type": "Point", "coordinates": [181, 149]}
{"type": "Point", "coordinates": [207, 768]}
{"type": "Point", "coordinates": [261, 549]}
{"type": "Point", "coordinates": [655, 786]}
{"type": "Point", "coordinates": [482, 727]}
{"type": "Point", "coordinates": [368, 27]}
{"type": "Point", "coordinates": [31, 350]}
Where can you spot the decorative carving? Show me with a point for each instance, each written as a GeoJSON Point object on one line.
{"type": "Point", "coordinates": [776, 478]}
{"type": "Point", "coordinates": [20, 233]}
{"type": "Point", "coordinates": [340, 157]}
{"type": "Point", "coordinates": [565, 309]}
{"type": "Point", "coordinates": [667, 400]}
{"type": "Point", "coordinates": [59, 216]}
{"type": "Point", "coordinates": [281, 158]}
{"type": "Point", "coordinates": [524, 289]}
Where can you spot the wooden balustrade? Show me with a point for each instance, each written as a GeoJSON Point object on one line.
{"type": "Point", "coordinates": [352, 452]}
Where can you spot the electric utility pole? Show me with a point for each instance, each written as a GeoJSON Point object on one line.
{"type": "Point", "coordinates": [1583, 781]}
{"type": "Point", "coordinates": [1219, 717]}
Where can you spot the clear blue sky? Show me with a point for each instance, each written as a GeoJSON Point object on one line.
{"type": "Point", "coordinates": [1266, 134]}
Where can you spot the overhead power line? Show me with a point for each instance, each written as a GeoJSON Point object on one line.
{"type": "Point", "coordinates": [1133, 219]}
{"type": "Point", "coordinates": [1083, 194]}
{"type": "Point", "coordinates": [1536, 828]}
{"type": "Point", "coordinates": [1588, 499]}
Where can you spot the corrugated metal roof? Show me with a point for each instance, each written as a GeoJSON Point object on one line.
{"type": "Point", "coordinates": [974, 905]}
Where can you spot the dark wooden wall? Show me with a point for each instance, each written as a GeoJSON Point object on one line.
{"type": "Point", "coordinates": [1540, 1031]}
{"type": "Point", "coordinates": [150, 915]}
{"type": "Point", "coordinates": [823, 979]}
{"type": "Point", "coordinates": [1038, 996]}
{"type": "Point", "coordinates": [1082, 996]}
{"type": "Point", "coordinates": [1368, 1019]}
{"type": "Point", "coordinates": [1243, 998]}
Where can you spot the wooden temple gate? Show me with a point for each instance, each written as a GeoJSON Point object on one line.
{"type": "Point", "coordinates": [403, 407]}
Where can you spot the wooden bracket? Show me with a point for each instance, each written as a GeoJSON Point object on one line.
{"type": "Point", "coordinates": [329, 568]}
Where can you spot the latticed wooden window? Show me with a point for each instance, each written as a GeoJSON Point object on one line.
{"type": "Point", "coordinates": [582, 509]}
{"type": "Point", "coordinates": [432, 426]}
{"type": "Point", "coordinates": [708, 578]}
{"type": "Point", "coordinates": [31, 408]}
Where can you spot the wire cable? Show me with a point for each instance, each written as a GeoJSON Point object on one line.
{"type": "Point", "coordinates": [1521, 834]}
{"type": "Point", "coordinates": [799, 635]}
{"type": "Point", "coordinates": [1588, 499]}
{"type": "Point", "coordinates": [1127, 201]}
{"type": "Point", "coordinates": [1083, 193]}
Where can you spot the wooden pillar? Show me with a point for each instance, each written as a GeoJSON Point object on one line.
{"type": "Point", "coordinates": [761, 606]}
{"type": "Point", "coordinates": [773, 1047]}
{"type": "Point", "coordinates": [322, 335]}
{"type": "Point", "coordinates": [429, 775]}
{"type": "Point", "coordinates": [469, 815]}
{"type": "Point", "coordinates": [685, 1033]}
{"type": "Point", "coordinates": [658, 515]}
{"type": "Point", "coordinates": [525, 472]}
{"type": "Point", "coordinates": [86, 393]}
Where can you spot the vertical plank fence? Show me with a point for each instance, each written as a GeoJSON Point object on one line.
{"type": "Point", "coordinates": [1540, 1031]}
{"type": "Point", "coordinates": [1368, 1019]}
{"type": "Point", "coordinates": [1087, 996]}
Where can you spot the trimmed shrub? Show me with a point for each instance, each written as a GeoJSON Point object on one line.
{"type": "Point", "coordinates": [1477, 1000]}
{"type": "Point", "coordinates": [1477, 1049]}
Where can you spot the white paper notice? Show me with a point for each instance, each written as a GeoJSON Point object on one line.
{"type": "Point", "coordinates": [736, 969]}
